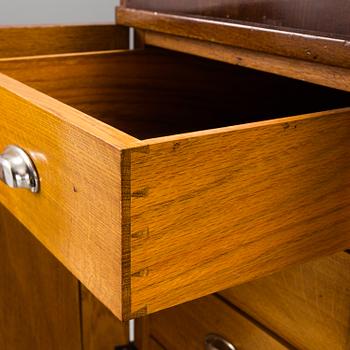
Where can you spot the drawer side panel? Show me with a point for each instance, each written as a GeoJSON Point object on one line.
{"type": "Point", "coordinates": [46, 40]}
{"type": "Point", "coordinates": [210, 210]}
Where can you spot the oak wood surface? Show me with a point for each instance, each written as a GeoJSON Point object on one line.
{"type": "Point", "coordinates": [45, 40]}
{"type": "Point", "coordinates": [331, 76]}
{"type": "Point", "coordinates": [215, 209]}
{"type": "Point", "coordinates": [305, 46]}
{"type": "Point", "coordinates": [101, 330]}
{"type": "Point", "coordinates": [76, 215]}
{"type": "Point", "coordinates": [322, 17]}
{"type": "Point", "coordinates": [308, 305]}
{"type": "Point", "coordinates": [158, 92]}
{"type": "Point", "coordinates": [186, 327]}
{"type": "Point", "coordinates": [132, 220]}
{"type": "Point", "coordinates": [39, 301]}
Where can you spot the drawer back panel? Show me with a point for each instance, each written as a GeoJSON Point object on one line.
{"type": "Point", "coordinates": [46, 40]}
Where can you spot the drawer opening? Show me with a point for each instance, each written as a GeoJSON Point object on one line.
{"type": "Point", "coordinates": [154, 92]}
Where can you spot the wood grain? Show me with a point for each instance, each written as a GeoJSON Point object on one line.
{"type": "Point", "coordinates": [39, 302]}
{"type": "Point", "coordinates": [186, 327]}
{"type": "Point", "coordinates": [331, 76]}
{"type": "Point", "coordinates": [293, 44]}
{"type": "Point", "coordinates": [158, 92]}
{"type": "Point", "coordinates": [76, 215]}
{"type": "Point", "coordinates": [308, 305]}
{"type": "Point", "coordinates": [148, 224]}
{"type": "Point", "coordinates": [323, 17]}
{"type": "Point", "coordinates": [45, 40]}
{"type": "Point", "coordinates": [210, 210]}
{"type": "Point", "coordinates": [101, 329]}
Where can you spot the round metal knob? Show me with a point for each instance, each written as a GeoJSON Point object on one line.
{"type": "Point", "coordinates": [215, 342]}
{"type": "Point", "coordinates": [17, 170]}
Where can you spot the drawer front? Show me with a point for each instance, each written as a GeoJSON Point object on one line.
{"type": "Point", "coordinates": [148, 224]}
{"type": "Point", "coordinates": [309, 305]}
{"type": "Point", "coordinates": [76, 214]}
{"type": "Point", "coordinates": [188, 326]}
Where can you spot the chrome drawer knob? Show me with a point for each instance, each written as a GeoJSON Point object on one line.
{"type": "Point", "coordinates": [215, 342]}
{"type": "Point", "coordinates": [17, 170]}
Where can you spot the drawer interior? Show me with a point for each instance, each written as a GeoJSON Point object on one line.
{"type": "Point", "coordinates": [153, 92]}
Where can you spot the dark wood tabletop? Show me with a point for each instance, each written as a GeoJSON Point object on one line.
{"type": "Point", "coordinates": [320, 17]}
{"type": "Point", "coordinates": [311, 30]}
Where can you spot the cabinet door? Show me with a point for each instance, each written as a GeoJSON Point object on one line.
{"type": "Point", "coordinates": [39, 300]}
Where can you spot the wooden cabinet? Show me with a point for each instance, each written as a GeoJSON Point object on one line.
{"type": "Point", "coordinates": [213, 156]}
{"type": "Point", "coordinates": [39, 300]}
{"type": "Point", "coordinates": [42, 306]}
{"type": "Point", "coordinates": [308, 304]}
{"type": "Point", "coordinates": [189, 326]}
{"type": "Point", "coordinates": [303, 307]}
{"type": "Point", "coordinates": [144, 155]}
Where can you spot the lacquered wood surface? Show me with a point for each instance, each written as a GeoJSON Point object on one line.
{"type": "Point", "coordinates": [215, 209]}
{"type": "Point", "coordinates": [325, 17]}
{"type": "Point", "coordinates": [308, 305]}
{"type": "Point", "coordinates": [295, 44]}
{"type": "Point", "coordinates": [321, 74]}
{"type": "Point", "coordinates": [39, 300]}
{"type": "Point", "coordinates": [45, 40]}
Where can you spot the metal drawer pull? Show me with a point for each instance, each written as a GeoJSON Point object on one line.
{"type": "Point", "coordinates": [215, 342]}
{"type": "Point", "coordinates": [17, 170]}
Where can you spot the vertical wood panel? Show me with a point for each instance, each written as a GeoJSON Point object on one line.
{"type": "Point", "coordinates": [101, 329]}
{"type": "Point", "coordinates": [39, 301]}
{"type": "Point", "coordinates": [142, 333]}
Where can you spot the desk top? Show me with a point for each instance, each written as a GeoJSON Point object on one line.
{"type": "Point", "coordinates": [311, 30]}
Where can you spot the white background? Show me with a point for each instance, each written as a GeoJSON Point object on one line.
{"type": "Point", "coordinates": [14, 12]}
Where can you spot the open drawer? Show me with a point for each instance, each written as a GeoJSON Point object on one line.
{"type": "Point", "coordinates": [166, 177]}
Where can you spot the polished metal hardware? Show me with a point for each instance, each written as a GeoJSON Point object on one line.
{"type": "Point", "coordinates": [215, 342]}
{"type": "Point", "coordinates": [17, 170]}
